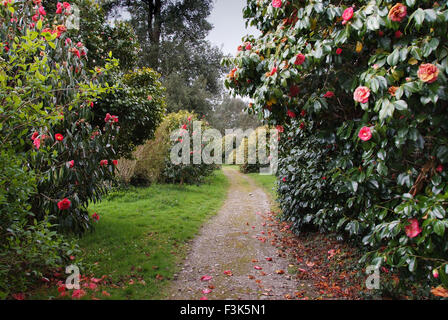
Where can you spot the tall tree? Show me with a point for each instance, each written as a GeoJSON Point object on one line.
{"type": "Point", "coordinates": [230, 114]}
{"type": "Point", "coordinates": [172, 37]}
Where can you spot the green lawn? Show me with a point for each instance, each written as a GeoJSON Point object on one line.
{"type": "Point", "coordinates": [266, 182]}
{"type": "Point", "coordinates": [142, 235]}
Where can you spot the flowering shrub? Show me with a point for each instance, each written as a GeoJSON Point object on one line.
{"type": "Point", "coordinates": [361, 90]}
{"type": "Point", "coordinates": [139, 103]}
{"type": "Point", "coordinates": [50, 152]}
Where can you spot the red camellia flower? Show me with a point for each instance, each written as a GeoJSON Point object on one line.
{"type": "Point", "coordinates": [95, 217]}
{"type": "Point", "coordinates": [115, 162]}
{"type": "Point", "coordinates": [42, 11]}
{"type": "Point", "coordinates": [365, 134]}
{"type": "Point", "coordinates": [104, 163]}
{"type": "Point", "coordinates": [291, 114]}
{"type": "Point", "coordinates": [273, 71]}
{"type": "Point", "coordinates": [35, 135]}
{"type": "Point", "coordinates": [276, 3]}
{"type": "Point", "coordinates": [439, 169]}
{"type": "Point", "coordinates": [294, 91]}
{"type": "Point", "coordinates": [302, 125]}
{"type": "Point", "coordinates": [284, 179]}
{"type": "Point", "coordinates": [280, 128]}
{"type": "Point", "coordinates": [413, 229]}
{"type": "Point", "coordinates": [248, 46]}
{"type": "Point", "coordinates": [398, 12]}
{"type": "Point", "coordinates": [71, 163]}
{"type": "Point", "coordinates": [428, 73]}
{"type": "Point", "coordinates": [361, 94]}
{"type": "Point", "coordinates": [329, 94]}
{"type": "Point", "coordinates": [338, 51]}
{"type": "Point", "coordinates": [59, 137]}
{"type": "Point", "coordinates": [184, 127]}
{"type": "Point", "coordinates": [398, 34]}
{"type": "Point", "coordinates": [347, 15]}
{"type": "Point", "coordinates": [64, 204]}
{"type": "Point", "coordinates": [110, 118]}
{"type": "Point", "coordinates": [302, 113]}
{"type": "Point", "coordinates": [300, 59]}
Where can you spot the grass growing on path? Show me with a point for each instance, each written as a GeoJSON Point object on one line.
{"type": "Point", "coordinates": [143, 233]}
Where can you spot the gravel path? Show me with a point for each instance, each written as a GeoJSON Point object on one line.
{"type": "Point", "coordinates": [236, 239]}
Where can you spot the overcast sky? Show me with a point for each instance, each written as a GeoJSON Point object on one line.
{"type": "Point", "coordinates": [229, 25]}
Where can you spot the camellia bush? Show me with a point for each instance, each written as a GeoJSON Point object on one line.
{"type": "Point", "coordinates": [53, 160]}
{"type": "Point", "coordinates": [360, 88]}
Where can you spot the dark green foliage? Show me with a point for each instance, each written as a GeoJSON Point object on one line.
{"type": "Point", "coordinates": [139, 104]}
{"type": "Point", "coordinates": [369, 191]}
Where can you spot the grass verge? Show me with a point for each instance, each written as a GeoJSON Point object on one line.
{"type": "Point", "coordinates": [143, 234]}
{"type": "Point", "coordinates": [267, 182]}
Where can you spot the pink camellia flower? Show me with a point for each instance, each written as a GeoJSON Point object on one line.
{"type": "Point", "coordinates": [365, 134]}
{"type": "Point", "coordinates": [64, 204]}
{"type": "Point", "coordinates": [184, 127]}
{"type": "Point", "coordinates": [413, 229]}
{"type": "Point", "coordinates": [42, 11]}
{"type": "Point", "coordinates": [398, 12]}
{"type": "Point", "coordinates": [68, 41]}
{"type": "Point", "coordinates": [428, 73]}
{"type": "Point", "coordinates": [300, 59]}
{"type": "Point", "coordinates": [71, 163]}
{"type": "Point", "coordinates": [435, 273]}
{"type": "Point", "coordinates": [36, 143]}
{"type": "Point", "coordinates": [329, 94]}
{"type": "Point", "coordinates": [291, 114]}
{"type": "Point", "coordinates": [338, 51]}
{"type": "Point", "coordinates": [59, 8]}
{"type": "Point", "coordinates": [284, 179]}
{"type": "Point", "coordinates": [276, 3]}
{"type": "Point", "coordinates": [59, 137]}
{"type": "Point", "coordinates": [206, 291]}
{"type": "Point", "coordinates": [361, 94]}
{"type": "Point", "coordinates": [439, 169]}
{"type": "Point", "coordinates": [347, 15]}
{"type": "Point", "coordinates": [203, 298]}
{"type": "Point", "coordinates": [206, 278]}
{"type": "Point", "coordinates": [248, 46]}
{"type": "Point", "coordinates": [104, 163]}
